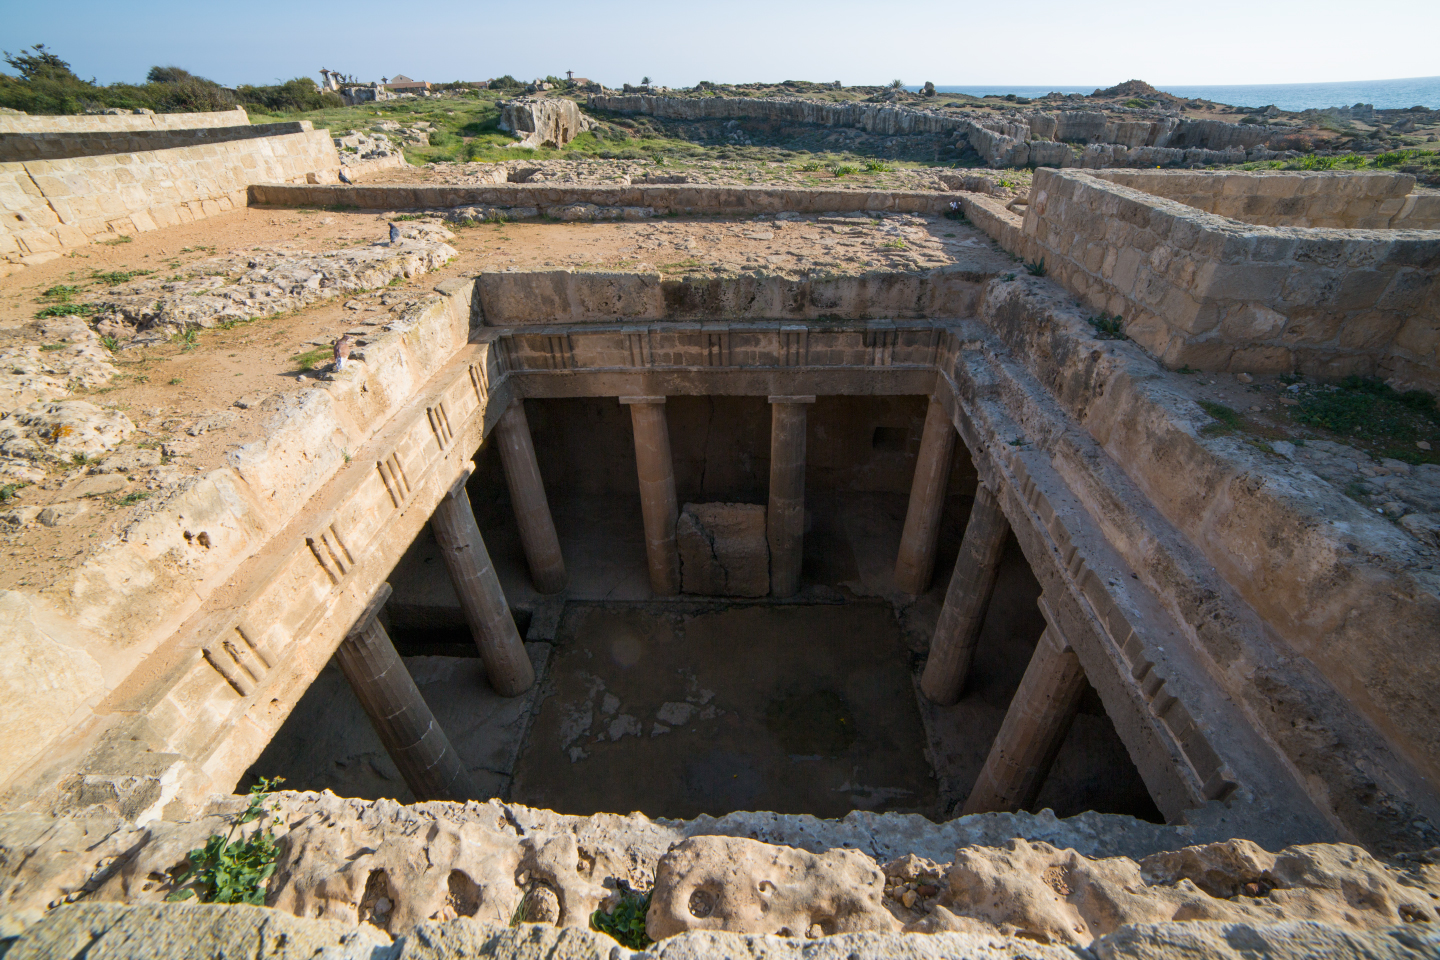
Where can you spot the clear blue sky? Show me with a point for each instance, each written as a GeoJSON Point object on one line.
{"type": "Point", "coordinates": [1037, 42]}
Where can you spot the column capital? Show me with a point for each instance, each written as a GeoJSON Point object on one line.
{"type": "Point", "coordinates": [1054, 630]}
{"type": "Point", "coordinates": [371, 611]}
{"type": "Point", "coordinates": [634, 400]}
{"type": "Point", "coordinates": [810, 398]}
{"type": "Point", "coordinates": [458, 484]}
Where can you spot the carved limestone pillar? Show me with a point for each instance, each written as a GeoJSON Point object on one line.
{"type": "Point", "coordinates": [916, 561]}
{"type": "Point", "coordinates": [527, 496]}
{"type": "Point", "coordinates": [658, 505]}
{"type": "Point", "coordinates": [431, 767]}
{"type": "Point", "coordinates": [785, 515]}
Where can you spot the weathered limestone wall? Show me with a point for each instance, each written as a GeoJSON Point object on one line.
{"type": "Point", "coordinates": [1199, 289]}
{"type": "Point", "coordinates": [182, 688]}
{"type": "Point", "coordinates": [120, 123]}
{"type": "Point", "coordinates": [1124, 138]}
{"type": "Point", "coordinates": [54, 205]}
{"type": "Point", "coordinates": [1294, 198]}
{"type": "Point", "coordinates": [639, 200]}
{"type": "Point", "coordinates": [1326, 643]}
{"type": "Point", "coordinates": [61, 145]}
{"type": "Point", "coordinates": [564, 296]}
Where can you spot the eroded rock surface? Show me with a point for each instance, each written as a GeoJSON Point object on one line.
{"type": "Point", "coordinates": [745, 886]}
{"type": "Point", "coordinates": [723, 551]}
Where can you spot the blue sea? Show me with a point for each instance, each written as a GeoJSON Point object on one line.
{"type": "Point", "coordinates": [1383, 94]}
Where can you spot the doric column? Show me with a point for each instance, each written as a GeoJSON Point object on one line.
{"type": "Point", "coordinates": [916, 562]}
{"type": "Point", "coordinates": [785, 515]}
{"type": "Point", "coordinates": [657, 492]}
{"type": "Point", "coordinates": [473, 575]}
{"type": "Point", "coordinates": [953, 645]}
{"type": "Point", "coordinates": [431, 767]}
{"type": "Point", "coordinates": [527, 496]}
{"type": "Point", "coordinates": [1035, 725]}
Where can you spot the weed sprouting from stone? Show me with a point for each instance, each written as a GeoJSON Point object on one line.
{"type": "Point", "coordinates": [842, 169]}
{"type": "Point", "coordinates": [1113, 328]}
{"type": "Point", "coordinates": [226, 870]}
{"type": "Point", "coordinates": [626, 921]}
{"type": "Point", "coordinates": [1035, 268]}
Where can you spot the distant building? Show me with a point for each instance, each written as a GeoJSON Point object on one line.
{"type": "Point", "coordinates": [403, 84]}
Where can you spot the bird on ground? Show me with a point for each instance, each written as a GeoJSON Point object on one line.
{"type": "Point", "coordinates": [342, 351]}
{"type": "Point", "coordinates": [394, 233]}
{"type": "Point", "coordinates": [345, 177]}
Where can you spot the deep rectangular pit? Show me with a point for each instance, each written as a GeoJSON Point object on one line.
{"type": "Point", "coordinates": [708, 705]}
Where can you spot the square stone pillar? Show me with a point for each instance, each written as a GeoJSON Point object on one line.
{"type": "Point", "coordinates": [658, 505]}
{"type": "Point", "coordinates": [473, 575]}
{"type": "Point", "coordinates": [916, 561]}
{"type": "Point", "coordinates": [401, 718]}
{"type": "Point", "coordinates": [527, 497]}
{"type": "Point", "coordinates": [1035, 726]}
{"type": "Point", "coordinates": [785, 515]}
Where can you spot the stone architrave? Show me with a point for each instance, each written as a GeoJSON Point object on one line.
{"type": "Point", "coordinates": [785, 515]}
{"type": "Point", "coordinates": [916, 561]}
{"type": "Point", "coordinates": [658, 504]}
{"type": "Point", "coordinates": [1040, 715]}
{"type": "Point", "coordinates": [402, 720]}
{"type": "Point", "coordinates": [723, 552]}
{"type": "Point", "coordinates": [473, 575]}
{"type": "Point", "coordinates": [527, 498]}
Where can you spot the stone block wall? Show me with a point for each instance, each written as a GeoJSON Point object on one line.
{"type": "Point", "coordinates": [119, 123]}
{"type": "Point", "coordinates": [47, 206]}
{"type": "Point", "coordinates": [1293, 198]}
{"type": "Point", "coordinates": [61, 145]}
{"type": "Point", "coordinates": [1213, 293]}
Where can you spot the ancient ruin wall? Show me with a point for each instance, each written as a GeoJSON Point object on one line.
{"type": "Point", "coordinates": [1213, 293]}
{"type": "Point", "coordinates": [48, 206]}
{"type": "Point", "coordinates": [1294, 198]}
{"type": "Point", "coordinates": [1118, 138]}
{"type": "Point", "coordinates": [61, 145]}
{"type": "Point", "coordinates": [118, 123]}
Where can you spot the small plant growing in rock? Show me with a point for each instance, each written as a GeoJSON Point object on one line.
{"type": "Point", "coordinates": [842, 169]}
{"type": "Point", "coordinates": [626, 919]}
{"type": "Point", "coordinates": [1112, 328]}
{"type": "Point", "coordinates": [227, 870]}
{"type": "Point", "coordinates": [1226, 419]}
{"type": "Point", "coordinates": [877, 166]}
{"type": "Point", "coordinates": [1036, 268]}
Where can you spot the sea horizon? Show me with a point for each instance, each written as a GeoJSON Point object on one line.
{"type": "Point", "coordinates": [1382, 94]}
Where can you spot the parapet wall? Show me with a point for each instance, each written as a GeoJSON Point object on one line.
{"type": "Point", "coordinates": [1294, 198]}
{"type": "Point", "coordinates": [1213, 293]}
{"type": "Point", "coordinates": [122, 122]}
{"type": "Point", "coordinates": [52, 205]}
{"type": "Point", "coordinates": [543, 199]}
{"type": "Point", "coordinates": [61, 145]}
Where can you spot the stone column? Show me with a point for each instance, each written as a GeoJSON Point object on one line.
{"type": "Point", "coordinates": [785, 515]}
{"type": "Point", "coordinates": [431, 767]}
{"type": "Point", "coordinates": [953, 645]}
{"type": "Point", "coordinates": [1035, 725]}
{"type": "Point", "coordinates": [527, 496]}
{"type": "Point", "coordinates": [506, 663]}
{"type": "Point", "coordinates": [657, 492]}
{"type": "Point", "coordinates": [916, 562]}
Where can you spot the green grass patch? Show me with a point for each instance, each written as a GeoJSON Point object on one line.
{"type": "Point", "coordinates": [60, 293]}
{"type": "Point", "coordinates": [1371, 411]}
{"type": "Point", "coordinates": [626, 922]}
{"type": "Point", "coordinates": [311, 359]}
{"type": "Point", "coordinates": [680, 266]}
{"type": "Point", "coordinates": [66, 310]}
{"type": "Point", "coordinates": [116, 277]}
{"type": "Point", "coordinates": [123, 238]}
{"type": "Point", "coordinates": [1112, 328]}
{"type": "Point", "coordinates": [1225, 418]}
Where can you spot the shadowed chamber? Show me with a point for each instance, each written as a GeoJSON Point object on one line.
{"type": "Point", "coordinates": [692, 704]}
